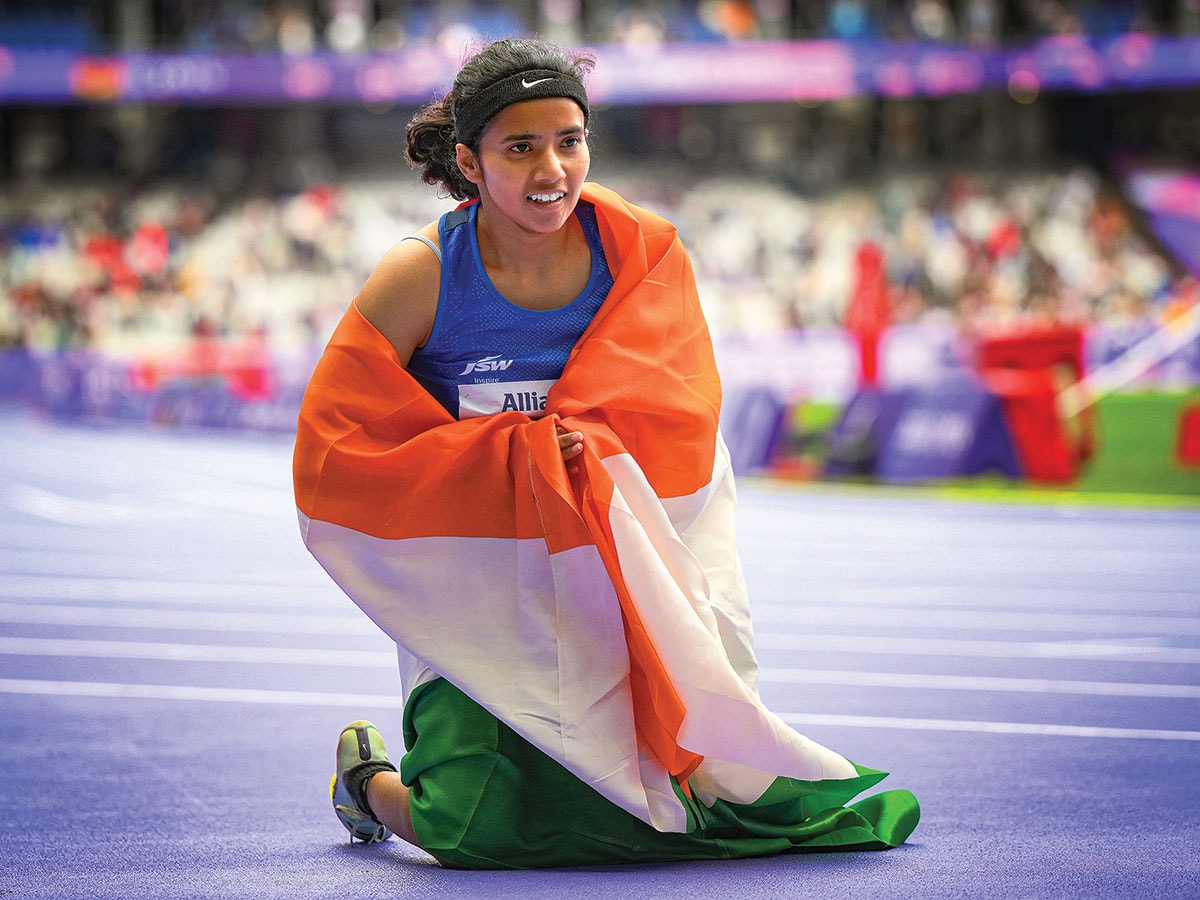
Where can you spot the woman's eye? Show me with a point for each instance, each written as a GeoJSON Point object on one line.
{"type": "Point", "coordinates": [520, 148]}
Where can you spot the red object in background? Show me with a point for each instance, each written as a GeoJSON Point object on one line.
{"type": "Point", "coordinates": [1037, 348]}
{"type": "Point", "coordinates": [150, 248]}
{"type": "Point", "coordinates": [244, 366]}
{"type": "Point", "coordinates": [247, 366]}
{"type": "Point", "coordinates": [1004, 241]}
{"type": "Point", "coordinates": [1187, 442]}
{"type": "Point", "coordinates": [105, 250]}
{"type": "Point", "coordinates": [870, 310]}
{"type": "Point", "coordinates": [98, 78]}
{"type": "Point", "coordinates": [108, 252]}
{"type": "Point", "coordinates": [1030, 405]}
{"type": "Point", "coordinates": [1027, 370]}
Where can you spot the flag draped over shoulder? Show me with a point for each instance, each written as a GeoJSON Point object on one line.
{"type": "Point", "coordinates": [601, 612]}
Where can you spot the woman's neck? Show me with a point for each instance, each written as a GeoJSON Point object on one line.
{"type": "Point", "coordinates": [531, 269]}
{"type": "Point", "coordinates": [506, 246]}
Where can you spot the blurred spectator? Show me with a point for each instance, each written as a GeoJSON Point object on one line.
{"type": "Point", "coordinates": [734, 20]}
{"type": "Point", "coordinates": [931, 20]}
{"type": "Point", "coordinates": [850, 20]}
{"type": "Point", "coordinates": [637, 28]}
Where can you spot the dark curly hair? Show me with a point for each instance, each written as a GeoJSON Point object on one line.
{"type": "Point", "coordinates": [431, 136]}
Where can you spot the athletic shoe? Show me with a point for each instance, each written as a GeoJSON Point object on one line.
{"type": "Point", "coordinates": [360, 754]}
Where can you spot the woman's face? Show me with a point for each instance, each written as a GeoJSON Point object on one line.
{"type": "Point", "coordinates": [532, 162]}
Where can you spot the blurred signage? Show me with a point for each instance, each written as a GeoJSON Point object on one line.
{"type": "Point", "coordinates": [698, 73]}
{"type": "Point", "coordinates": [672, 73]}
{"type": "Point", "coordinates": [97, 78]}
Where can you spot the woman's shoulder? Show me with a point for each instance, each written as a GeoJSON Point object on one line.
{"type": "Point", "coordinates": [411, 260]}
{"type": "Point", "coordinates": [401, 294]}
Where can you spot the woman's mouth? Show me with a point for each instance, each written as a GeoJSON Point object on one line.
{"type": "Point", "coordinates": [547, 197]}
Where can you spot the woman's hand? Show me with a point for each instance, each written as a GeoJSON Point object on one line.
{"type": "Point", "coordinates": [569, 442]}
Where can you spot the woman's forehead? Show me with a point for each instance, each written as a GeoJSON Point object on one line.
{"type": "Point", "coordinates": [548, 115]}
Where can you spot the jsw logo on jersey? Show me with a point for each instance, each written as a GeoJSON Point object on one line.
{"type": "Point", "coordinates": [487, 364]}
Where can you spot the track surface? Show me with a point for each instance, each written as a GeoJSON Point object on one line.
{"type": "Point", "coordinates": [174, 670]}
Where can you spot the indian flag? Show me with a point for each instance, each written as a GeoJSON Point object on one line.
{"type": "Point", "coordinates": [599, 612]}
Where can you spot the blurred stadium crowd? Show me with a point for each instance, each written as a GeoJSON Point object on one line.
{"type": "Point", "coordinates": [127, 272]}
{"type": "Point", "coordinates": [349, 26]}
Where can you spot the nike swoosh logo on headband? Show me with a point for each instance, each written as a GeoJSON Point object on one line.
{"type": "Point", "coordinates": [529, 84]}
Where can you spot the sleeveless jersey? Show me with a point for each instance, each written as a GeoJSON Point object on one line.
{"type": "Point", "coordinates": [487, 355]}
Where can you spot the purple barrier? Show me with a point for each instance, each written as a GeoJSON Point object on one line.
{"type": "Point", "coordinates": [953, 430]}
{"type": "Point", "coordinates": [752, 423]}
{"type": "Point", "coordinates": [210, 404]}
{"type": "Point", "coordinates": [18, 377]}
{"type": "Point", "coordinates": [86, 385]}
{"type": "Point", "coordinates": [863, 430]}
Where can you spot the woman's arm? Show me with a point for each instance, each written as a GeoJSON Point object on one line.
{"type": "Point", "coordinates": [400, 298]}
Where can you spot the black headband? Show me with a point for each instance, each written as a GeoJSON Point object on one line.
{"type": "Point", "coordinates": [472, 115]}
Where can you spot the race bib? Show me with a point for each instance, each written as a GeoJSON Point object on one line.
{"type": "Point", "coordinates": [527, 397]}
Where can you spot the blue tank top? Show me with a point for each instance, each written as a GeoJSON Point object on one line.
{"type": "Point", "coordinates": [487, 355]}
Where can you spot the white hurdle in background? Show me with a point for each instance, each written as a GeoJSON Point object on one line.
{"type": "Point", "coordinates": [1139, 358]}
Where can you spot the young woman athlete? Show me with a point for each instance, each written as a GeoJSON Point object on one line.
{"type": "Point", "coordinates": [509, 458]}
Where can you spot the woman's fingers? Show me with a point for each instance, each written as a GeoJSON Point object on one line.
{"type": "Point", "coordinates": [570, 442]}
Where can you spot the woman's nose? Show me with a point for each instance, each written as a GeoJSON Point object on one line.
{"type": "Point", "coordinates": [550, 167]}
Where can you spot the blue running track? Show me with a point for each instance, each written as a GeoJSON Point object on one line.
{"type": "Point", "coordinates": [174, 670]}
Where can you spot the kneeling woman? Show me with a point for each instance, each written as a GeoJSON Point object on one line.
{"type": "Point", "coordinates": [509, 458]}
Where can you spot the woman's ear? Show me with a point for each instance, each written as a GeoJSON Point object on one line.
{"type": "Point", "coordinates": [468, 163]}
